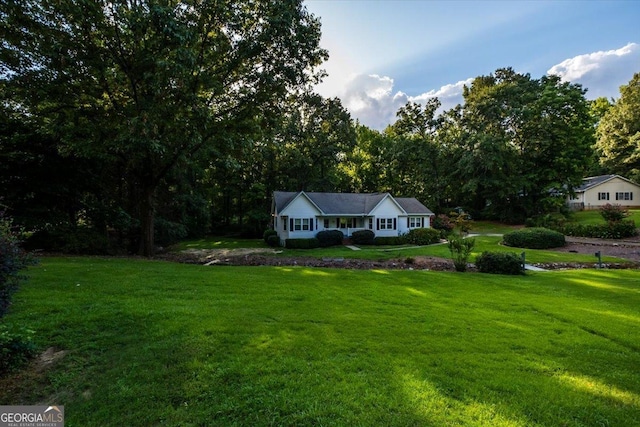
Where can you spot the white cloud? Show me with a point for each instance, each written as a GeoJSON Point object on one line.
{"type": "Point", "coordinates": [371, 99]}
{"type": "Point", "coordinates": [601, 72]}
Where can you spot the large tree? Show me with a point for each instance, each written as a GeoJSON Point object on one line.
{"type": "Point", "coordinates": [150, 85]}
{"type": "Point", "coordinates": [618, 133]}
{"type": "Point", "coordinates": [521, 139]}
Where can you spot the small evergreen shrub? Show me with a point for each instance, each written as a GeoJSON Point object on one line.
{"type": "Point", "coordinates": [363, 237]}
{"type": "Point", "coordinates": [460, 249]}
{"type": "Point", "coordinates": [273, 241]}
{"type": "Point", "coordinates": [311, 243]}
{"type": "Point", "coordinates": [423, 236]}
{"type": "Point", "coordinates": [268, 233]}
{"type": "Point", "coordinates": [534, 238]}
{"type": "Point", "coordinates": [330, 238]}
{"type": "Point", "coordinates": [499, 263]}
{"type": "Point", "coordinates": [389, 241]}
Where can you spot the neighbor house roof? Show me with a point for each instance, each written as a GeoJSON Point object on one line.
{"type": "Point", "coordinates": [348, 203]}
{"type": "Point", "coordinates": [594, 181]}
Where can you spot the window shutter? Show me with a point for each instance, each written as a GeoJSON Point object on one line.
{"type": "Point", "coordinates": [408, 222]}
{"type": "Point", "coordinates": [422, 222]}
{"type": "Point", "coordinates": [310, 224]}
{"type": "Point", "coordinates": [291, 224]}
{"type": "Point", "coordinates": [394, 224]}
{"type": "Point", "coordinates": [377, 223]}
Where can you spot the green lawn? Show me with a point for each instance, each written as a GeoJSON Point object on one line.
{"type": "Point", "coordinates": [594, 216]}
{"type": "Point", "coordinates": [219, 242]}
{"type": "Point", "coordinates": [154, 343]}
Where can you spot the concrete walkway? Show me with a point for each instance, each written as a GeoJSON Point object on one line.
{"type": "Point", "coordinates": [533, 268]}
{"type": "Point", "coordinates": [353, 248]}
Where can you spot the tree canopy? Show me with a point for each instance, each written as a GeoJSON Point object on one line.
{"type": "Point", "coordinates": [151, 85]}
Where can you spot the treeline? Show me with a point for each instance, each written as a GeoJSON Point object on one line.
{"type": "Point", "coordinates": [127, 126]}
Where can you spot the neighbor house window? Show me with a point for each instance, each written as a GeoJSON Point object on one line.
{"type": "Point", "coordinates": [624, 196]}
{"type": "Point", "coordinates": [603, 196]}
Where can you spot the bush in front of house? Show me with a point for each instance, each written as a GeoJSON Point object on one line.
{"type": "Point", "coordinates": [534, 238]}
{"type": "Point", "coordinates": [273, 241]}
{"type": "Point", "coordinates": [363, 237]}
{"type": "Point", "coordinates": [423, 236]}
{"type": "Point", "coordinates": [611, 230]}
{"type": "Point", "coordinates": [268, 233]}
{"type": "Point", "coordinates": [16, 348]}
{"type": "Point", "coordinates": [328, 238]}
{"type": "Point", "coordinates": [499, 263]}
{"type": "Point", "coordinates": [389, 241]}
{"type": "Point", "coordinates": [613, 213]}
{"type": "Point", "coordinates": [310, 243]}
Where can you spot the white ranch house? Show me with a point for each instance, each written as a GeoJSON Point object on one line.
{"type": "Point", "coordinates": [300, 214]}
{"type": "Point", "coordinates": [597, 191]}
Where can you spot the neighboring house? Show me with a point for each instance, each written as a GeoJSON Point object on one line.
{"type": "Point", "coordinates": [597, 191]}
{"type": "Point", "coordinates": [302, 215]}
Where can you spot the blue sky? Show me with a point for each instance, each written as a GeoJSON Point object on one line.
{"type": "Point", "coordinates": [384, 53]}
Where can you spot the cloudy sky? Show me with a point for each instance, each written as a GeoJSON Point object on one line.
{"type": "Point", "coordinates": [384, 53]}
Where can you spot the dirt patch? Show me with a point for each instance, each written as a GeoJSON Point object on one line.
{"type": "Point", "coordinates": [27, 384]}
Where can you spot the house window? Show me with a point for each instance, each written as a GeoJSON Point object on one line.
{"type": "Point", "coordinates": [300, 224]}
{"type": "Point", "coordinates": [415, 222]}
{"type": "Point", "coordinates": [326, 223]}
{"type": "Point", "coordinates": [347, 222]}
{"type": "Point", "coordinates": [624, 195]}
{"type": "Point", "coordinates": [386, 224]}
{"type": "Point", "coordinates": [370, 223]}
{"type": "Point", "coordinates": [603, 196]}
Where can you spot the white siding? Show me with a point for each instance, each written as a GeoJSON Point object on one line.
{"type": "Point", "coordinates": [299, 208]}
{"type": "Point", "coordinates": [613, 186]}
{"type": "Point", "coordinates": [387, 209]}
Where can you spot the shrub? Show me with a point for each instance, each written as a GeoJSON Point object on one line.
{"type": "Point", "coordinates": [611, 230]}
{"type": "Point", "coordinates": [499, 263]}
{"type": "Point", "coordinates": [443, 223]}
{"type": "Point", "coordinates": [268, 233]}
{"type": "Point", "coordinates": [534, 238]}
{"type": "Point", "coordinates": [311, 243]}
{"type": "Point", "coordinates": [273, 241]}
{"type": "Point", "coordinates": [78, 240]}
{"type": "Point", "coordinates": [389, 241]}
{"type": "Point", "coordinates": [16, 348]}
{"type": "Point", "coordinates": [613, 213]}
{"type": "Point", "coordinates": [12, 260]}
{"type": "Point", "coordinates": [423, 236]}
{"type": "Point", "coordinates": [330, 238]}
{"type": "Point", "coordinates": [460, 249]}
{"type": "Point", "coordinates": [363, 237]}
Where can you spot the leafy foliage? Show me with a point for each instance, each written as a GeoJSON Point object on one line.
{"type": "Point", "coordinates": [613, 213]}
{"type": "Point", "coordinates": [610, 230]}
{"type": "Point", "coordinates": [310, 243]}
{"type": "Point", "coordinates": [389, 240]}
{"type": "Point", "coordinates": [534, 238]}
{"type": "Point", "coordinates": [16, 348]}
{"type": "Point", "coordinates": [422, 236]}
{"type": "Point", "coordinates": [363, 237]}
{"type": "Point", "coordinates": [499, 263]}
{"type": "Point", "coordinates": [12, 260]}
{"type": "Point", "coordinates": [460, 249]}
{"type": "Point", "coordinates": [328, 238]}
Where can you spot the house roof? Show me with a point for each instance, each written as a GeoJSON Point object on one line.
{"type": "Point", "coordinates": [594, 181]}
{"type": "Point", "coordinates": [348, 203]}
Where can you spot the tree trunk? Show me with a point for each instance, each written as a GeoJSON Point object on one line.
{"type": "Point", "coordinates": [147, 223]}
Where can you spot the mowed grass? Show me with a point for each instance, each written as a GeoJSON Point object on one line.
{"type": "Point", "coordinates": [154, 343]}
{"type": "Point", "coordinates": [593, 216]}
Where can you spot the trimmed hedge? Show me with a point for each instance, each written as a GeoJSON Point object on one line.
{"type": "Point", "coordinates": [363, 237]}
{"type": "Point", "coordinates": [611, 230]}
{"type": "Point", "coordinates": [311, 243]}
{"type": "Point", "coordinates": [328, 238]}
{"type": "Point", "coordinates": [499, 263]}
{"type": "Point", "coordinates": [389, 241]}
{"type": "Point", "coordinates": [423, 236]}
{"type": "Point", "coordinates": [268, 233]}
{"type": "Point", "coordinates": [534, 238]}
{"type": "Point", "coordinates": [273, 241]}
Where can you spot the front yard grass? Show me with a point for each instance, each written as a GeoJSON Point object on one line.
{"type": "Point", "coordinates": [155, 343]}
